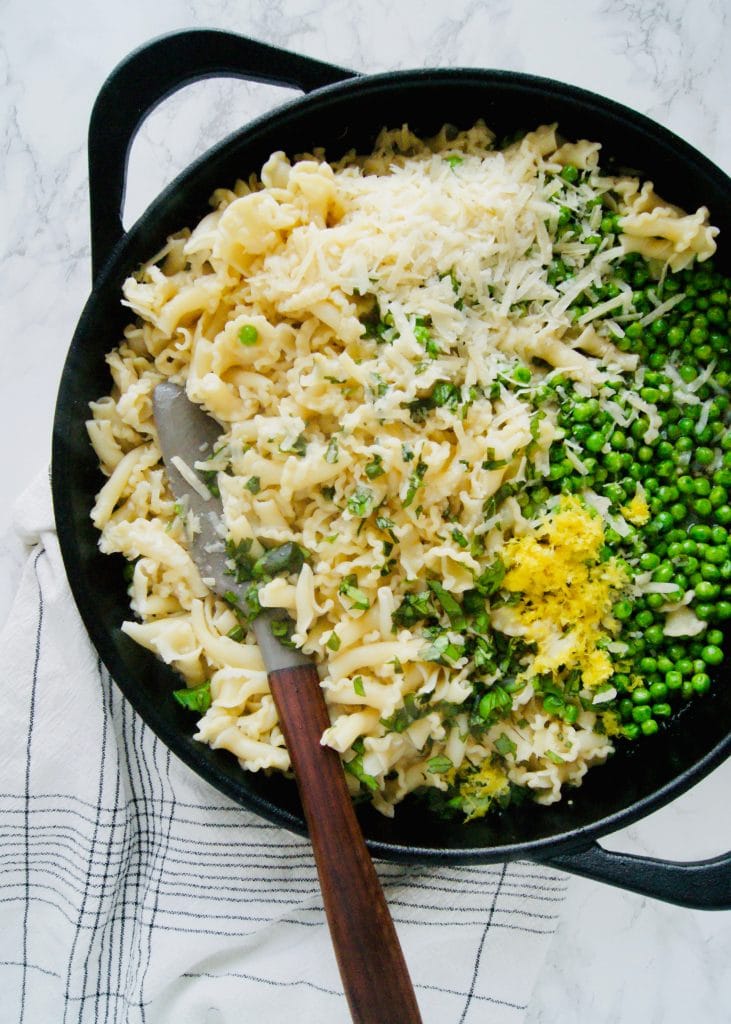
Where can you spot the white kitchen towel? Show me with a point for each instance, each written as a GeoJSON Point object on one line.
{"type": "Point", "coordinates": [131, 891]}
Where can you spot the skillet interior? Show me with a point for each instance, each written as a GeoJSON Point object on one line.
{"type": "Point", "coordinates": [340, 118]}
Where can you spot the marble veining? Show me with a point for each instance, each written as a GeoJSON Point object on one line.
{"type": "Point", "coordinates": [615, 957]}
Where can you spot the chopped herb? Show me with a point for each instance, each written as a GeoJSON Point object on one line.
{"type": "Point", "coordinates": [332, 538]}
{"type": "Point", "coordinates": [451, 606]}
{"type": "Point", "coordinates": [284, 558]}
{"type": "Point", "coordinates": [355, 768]}
{"type": "Point", "coordinates": [328, 492]}
{"type": "Point", "coordinates": [282, 629]}
{"type": "Point", "coordinates": [504, 745]}
{"type": "Point", "coordinates": [210, 479]}
{"type": "Point", "coordinates": [348, 588]}
{"type": "Point", "coordinates": [442, 649]}
{"type": "Point", "coordinates": [197, 699]}
{"type": "Point", "coordinates": [358, 686]}
{"type": "Point", "coordinates": [459, 538]}
{"type": "Point", "coordinates": [406, 453]}
{"type": "Point", "coordinates": [445, 393]}
{"type": "Point", "coordinates": [331, 455]}
{"type": "Point", "coordinates": [248, 335]}
{"type": "Point", "coordinates": [387, 525]}
{"type": "Point", "coordinates": [414, 608]}
{"type": "Point", "coordinates": [237, 634]}
{"type": "Point", "coordinates": [402, 718]}
{"type": "Point", "coordinates": [360, 502]}
{"type": "Point", "coordinates": [495, 700]}
{"type": "Point", "coordinates": [296, 447]}
{"type": "Point", "coordinates": [454, 161]}
{"type": "Point", "coordinates": [491, 462]}
{"type": "Point", "coordinates": [440, 764]}
{"type": "Point", "coordinates": [253, 484]}
{"type": "Point", "coordinates": [490, 580]}
{"type": "Point", "coordinates": [415, 482]}
{"type": "Point", "coordinates": [374, 468]}
{"type": "Point", "coordinates": [554, 757]}
{"type": "Point", "coordinates": [424, 337]}
{"type": "Point", "coordinates": [333, 642]}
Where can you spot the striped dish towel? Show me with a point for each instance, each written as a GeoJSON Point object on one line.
{"type": "Point", "coordinates": [131, 891]}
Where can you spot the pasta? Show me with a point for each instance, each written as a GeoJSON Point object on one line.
{"type": "Point", "coordinates": [388, 345]}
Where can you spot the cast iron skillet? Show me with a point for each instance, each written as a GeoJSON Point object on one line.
{"type": "Point", "coordinates": [340, 112]}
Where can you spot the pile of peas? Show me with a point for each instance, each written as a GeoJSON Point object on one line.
{"type": "Point", "coordinates": [686, 476]}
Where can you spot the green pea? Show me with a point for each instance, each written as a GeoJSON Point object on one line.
{"type": "Point", "coordinates": [712, 654]}
{"type": "Point", "coordinates": [701, 682]}
{"type": "Point", "coordinates": [642, 713]}
{"type": "Point", "coordinates": [658, 691]}
{"type": "Point", "coordinates": [622, 610]}
{"type": "Point", "coordinates": [673, 680]}
{"type": "Point", "coordinates": [595, 441]}
{"type": "Point", "coordinates": [248, 335]}
{"type": "Point", "coordinates": [630, 731]}
{"type": "Point", "coordinates": [654, 635]}
{"type": "Point", "coordinates": [649, 727]}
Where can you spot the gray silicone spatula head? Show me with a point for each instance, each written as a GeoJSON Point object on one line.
{"type": "Point", "coordinates": [187, 435]}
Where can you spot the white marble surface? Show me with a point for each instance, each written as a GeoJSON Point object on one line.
{"type": "Point", "coordinates": [615, 957]}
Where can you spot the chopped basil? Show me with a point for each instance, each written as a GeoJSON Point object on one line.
{"type": "Point", "coordinates": [210, 479]}
{"type": "Point", "coordinates": [454, 161]}
{"type": "Point", "coordinates": [197, 699]}
{"type": "Point", "coordinates": [451, 606]}
{"type": "Point", "coordinates": [358, 686]}
{"type": "Point", "coordinates": [355, 767]}
{"type": "Point", "coordinates": [415, 481]}
{"type": "Point", "coordinates": [282, 630]}
{"type": "Point", "coordinates": [253, 484]}
{"type": "Point", "coordinates": [442, 649]}
{"type": "Point", "coordinates": [402, 718]}
{"type": "Point", "coordinates": [504, 745]}
{"type": "Point", "coordinates": [406, 453]}
{"type": "Point", "coordinates": [348, 588]}
{"type": "Point", "coordinates": [439, 764]}
{"type": "Point", "coordinates": [296, 447]}
{"type": "Point", "coordinates": [491, 462]}
{"type": "Point", "coordinates": [284, 558]}
{"type": "Point", "coordinates": [237, 634]}
{"type": "Point", "coordinates": [333, 642]}
{"type": "Point", "coordinates": [374, 468]}
{"type": "Point", "coordinates": [491, 578]}
{"type": "Point", "coordinates": [496, 699]}
{"type": "Point", "coordinates": [413, 608]}
{"type": "Point", "coordinates": [331, 455]}
{"type": "Point", "coordinates": [445, 393]}
{"type": "Point", "coordinates": [459, 538]}
{"type": "Point", "coordinates": [360, 502]}
{"type": "Point", "coordinates": [554, 757]}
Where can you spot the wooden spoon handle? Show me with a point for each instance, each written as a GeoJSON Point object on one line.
{"type": "Point", "coordinates": [372, 966]}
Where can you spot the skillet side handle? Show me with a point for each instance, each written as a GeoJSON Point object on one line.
{"type": "Point", "coordinates": [698, 885]}
{"type": "Point", "coordinates": [152, 73]}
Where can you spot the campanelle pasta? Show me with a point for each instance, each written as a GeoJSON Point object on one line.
{"type": "Point", "coordinates": [372, 338]}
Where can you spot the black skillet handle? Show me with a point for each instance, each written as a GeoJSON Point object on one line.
{"type": "Point", "coordinates": [150, 74]}
{"type": "Point", "coordinates": [700, 884]}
